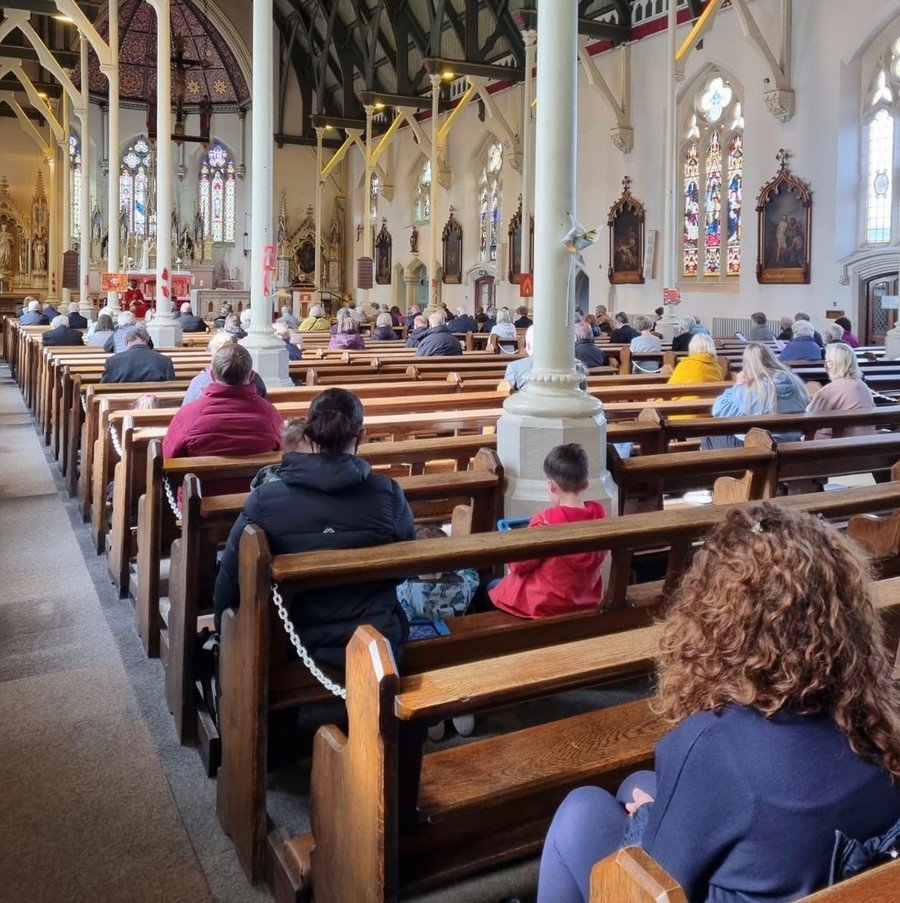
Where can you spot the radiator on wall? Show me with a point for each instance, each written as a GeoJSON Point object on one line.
{"type": "Point", "coordinates": [726, 327]}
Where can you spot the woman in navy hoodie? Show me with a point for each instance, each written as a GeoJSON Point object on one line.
{"type": "Point", "coordinates": [785, 740]}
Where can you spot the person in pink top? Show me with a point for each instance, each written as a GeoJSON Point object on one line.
{"type": "Point", "coordinates": [845, 391]}
{"type": "Point", "coordinates": [545, 587]}
{"type": "Point", "coordinates": [848, 336]}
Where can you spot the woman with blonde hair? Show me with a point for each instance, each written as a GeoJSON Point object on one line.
{"type": "Point", "coordinates": [316, 321]}
{"type": "Point", "coordinates": [785, 739]}
{"type": "Point", "coordinates": [764, 386]}
{"type": "Point", "coordinates": [505, 332]}
{"type": "Point", "coordinates": [700, 366]}
{"type": "Point", "coordinates": [845, 391]}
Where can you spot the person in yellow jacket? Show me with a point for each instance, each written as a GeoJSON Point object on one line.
{"type": "Point", "coordinates": [700, 366]}
{"type": "Point", "coordinates": [316, 321]}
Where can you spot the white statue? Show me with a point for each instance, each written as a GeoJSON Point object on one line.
{"type": "Point", "coordinates": [40, 256]}
{"type": "Point", "coordinates": [6, 249]}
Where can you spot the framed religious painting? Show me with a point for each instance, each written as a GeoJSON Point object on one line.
{"type": "Point", "coordinates": [517, 247]}
{"type": "Point", "coordinates": [785, 227]}
{"type": "Point", "coordinates": [383, 247]}
{"type": "Point", "coordinates": [452, 238]}
{"type": "Point", "coordinates": [626, 239]}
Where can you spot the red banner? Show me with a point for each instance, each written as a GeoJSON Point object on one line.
{"type": "Point", "coordinates": [526, 285]}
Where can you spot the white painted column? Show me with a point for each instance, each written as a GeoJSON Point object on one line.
{"type": "Point", "coordinates": [367, 197]}
{"type": "Point", "coordinates": [552, 409]}
{"type": "Point", "coordinates": [529, 36]}
{"type": "Point", "coordinates": [112, 196]}
{"type": "Point", "coordinates": [84, 225]}
{"type": "Point", "coordinates": [65, 194]}
{"type": "Point", "coordinates": [668, 326]}
{"type": "Point", "coordinates": [270, 359]}
{"type": "Point", "coordinates": [164, 329]}
{"type": "Point", "coordinates": [53, 222]}
{"type": "Point", "coordinates": [317, 278]}
{"type": "Point", "coordinates": [435, 265]}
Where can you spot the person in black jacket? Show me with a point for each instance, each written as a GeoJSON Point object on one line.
{"type": "Point", "coordinates": [462, 322]}
{"type": "Point", "coordinates": [682, 341]}
{"type": "Point", "coordinates": [326, 499]}
{"type": "Point", "coordinates": [438, 340]}
{"type": "Point", "coordinates": [623, 333]}
{"type": "Point", "coordinates": [586, 350]}
{"type": "Point", "coordinates": [61, 333]}
{"type": "Point", "coordinates": [76, 320]}
{"type": "Point", "coordinates": [138, 363]}
{"type": "Point", "coordinates": [190, 323]}
{"type": "Point", "coordinates": [32, 315]}
{"type": "Point", "coordinates": [418, 332]}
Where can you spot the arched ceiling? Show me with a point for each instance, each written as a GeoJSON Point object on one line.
{"type": "Point", "coordinates": [214, 71]}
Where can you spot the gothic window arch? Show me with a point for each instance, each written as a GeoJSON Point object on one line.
{"type": "Point", "coordinates": [216, 193]}
{"type": "Point", "coordinates": [134, 187]}
{"type": "Point", "coordinates": [374, 195]}
{"type": "Point", "coordinates": [490, 203]}
{"type": "Point", "coordinates": [75, 183]}
{"type": "Point", "coordinates": [712, 167]}
{"type": "Point", "coordinates": [422, 206]}
{"type": "Point", "coordinates": [881, 149]}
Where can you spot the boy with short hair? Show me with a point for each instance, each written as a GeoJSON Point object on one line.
{"type": "Point", "coordinates": [541, 588]}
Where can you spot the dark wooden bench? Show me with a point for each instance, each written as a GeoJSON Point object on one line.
{"type": "Point", "coordinates": [253, 636]}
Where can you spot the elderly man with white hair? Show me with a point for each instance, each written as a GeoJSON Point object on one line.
{"type": "Point", "coordinates": [189, 322]}
{"type": "Point", "coordinates": [75, 319]}
{"type": "Point", "coordinates": [803, 346]}
{"type": "Point", "coordinates": [517, 371]}
{"type": "Point", "coordinates": [137, 363]}
{"type": "Point", "coordinates": [802, 315]}
{"type": "Point", "coordinates": [462, 322]}
{"type": "Point", "coordinates": [438, 340]}
{"type": "Point", "coordinates": [287, 317]}
{"type": "Point", "coordinates": [682, 341]}
{"type": "Point", "coordinates": [33, 315]}
{"type": "Point", "coordinates": [61, 333]}
{"type": "Point", "coordinates": [116, 342]}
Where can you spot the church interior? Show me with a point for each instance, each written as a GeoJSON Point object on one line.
{"type": "Point", "coordinates": [394, 216]}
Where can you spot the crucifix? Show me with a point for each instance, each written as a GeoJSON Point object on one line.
{"type": "Point", "coordinates": [782, 157]}
{"type": "Point", "coordinates": [181, 65]}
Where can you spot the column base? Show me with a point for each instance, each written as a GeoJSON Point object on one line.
{"type": "Point", "coordinates": [892, 344]}
{"type": "Point", "coordinates": [270, 361]}
{"type": "Point", "coordinates": [524, 440]}
{"type": "Point", "coordinates": [165, 333]}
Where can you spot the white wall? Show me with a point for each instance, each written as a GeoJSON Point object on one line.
{"type": "Point", "coordinates": [824, 132]}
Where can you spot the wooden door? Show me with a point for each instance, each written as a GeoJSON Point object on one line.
{"type": "Point", "coordinates": [880, 321]}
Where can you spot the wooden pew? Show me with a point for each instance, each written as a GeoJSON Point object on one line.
{"type": "Point", "coordinates": [253, 636]}
{"type": "Point", "coordinates": [630, 875]}
{"type": "Point", "coordinates": [479, 805]}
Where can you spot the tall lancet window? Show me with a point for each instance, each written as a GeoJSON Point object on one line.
{"type": "Point", "coordinates": [422, 205]}
{"type": "Point", "coordinates": [216, 193]}
{"type": "Point", "coordinates": [712, 166]}
{"type": "Point", "coordinates": [134, 187]}
{"type": "Point", "coordinates": [489, 204]}
{"type": "Point", "coordinates": [75, 183]}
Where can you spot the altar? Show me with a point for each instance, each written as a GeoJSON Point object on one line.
{"type": "Point", "coordinates": [182, 281]}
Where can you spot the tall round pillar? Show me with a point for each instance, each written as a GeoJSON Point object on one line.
{"type": "Point", "coordinates": [270, 358]}
{"type": "Point", "coordinates": [112, 199]}
{"type": "Point", "coordinates": [84, 224]}
{"type": "Point", "coordinates": [434, 224]}
{"type": "Point", "coordinates": [552, 409]}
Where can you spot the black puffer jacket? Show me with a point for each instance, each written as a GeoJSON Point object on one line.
{"type": "Point", "coordinates": [314, 502]}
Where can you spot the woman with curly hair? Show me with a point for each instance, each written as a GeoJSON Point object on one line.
{"type": "Point", "coordinates": [785, 739]}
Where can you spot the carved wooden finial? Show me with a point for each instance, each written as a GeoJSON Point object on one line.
{"type": "Point", "coordinates": [782, 157]}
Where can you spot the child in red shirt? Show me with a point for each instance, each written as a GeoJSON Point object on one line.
{"type": "Point", "coordinates": [554, 586]}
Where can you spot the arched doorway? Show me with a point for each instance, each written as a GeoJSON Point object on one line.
{"type": "Point", "coordinates": [484, 291]}
{"type": "Point", "coordinates": [583, 291]}
{"type": "Point", "coordinates": [879, 321]}
{"type": "Point", "coordinates": [416, 280]}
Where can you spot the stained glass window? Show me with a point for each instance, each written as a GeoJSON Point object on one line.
{"type": "Point", "coordinates": [422, 211]}
{"type": "Point", "coordinates": [216, 193]}
{"type": "Point", "coordinates": [374, 192]}
{"type": "Point", "coordinates": [490, 204]}
{"type": "Point", "coordinates": [75, 177]}
{"type": "Point", "coordinates": [712, 178]}
{"type": "Point", "coordinates": [134, 186]}
{"type": "Point", "coordinates": [691, 209]}
{"type": "Point", "coordinates": [735, 203]}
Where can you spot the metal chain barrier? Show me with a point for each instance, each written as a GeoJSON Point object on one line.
{"type": "Point", "coordinates": [115, 440]}
{"type": "Point", "coordinates": [305, 657]}
{"type": "Point", "coordinates": [171, 497]}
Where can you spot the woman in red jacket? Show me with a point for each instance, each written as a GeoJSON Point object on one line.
{"type": "Point", "coordinates": [229, 418]}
